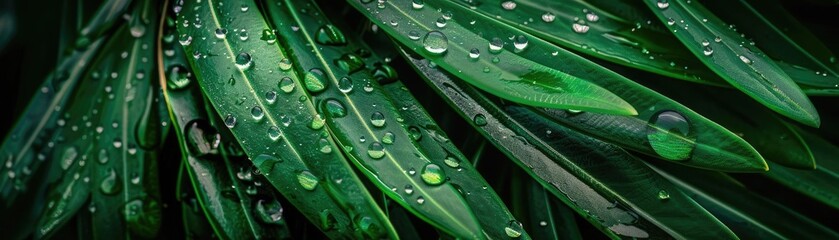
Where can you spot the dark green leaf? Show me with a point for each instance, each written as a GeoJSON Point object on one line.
{"type": "Point", "coordinates": [728, 54]}
{"type": "Point", "coordinates": [481, 58]}
{"type": "Point", "coordinates": [819, 184]}
{"type": "Point", "coordinates": [590, 176]}
{"type": "Point", "coordinates": [278, 127]}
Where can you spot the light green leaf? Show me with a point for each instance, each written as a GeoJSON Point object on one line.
{"type": "Point", "coordinates": [367, 124]}
{"type": "Point", "coordinates": [265, 107]}
{"type": "Point", "coordinates": [586, 29]}
{"type": "Point", "coordinates": [728, 54]}
{"type": "Point", "coordinates": [484, 59]}
{"type": "Point", "coordinates": [562, 160]}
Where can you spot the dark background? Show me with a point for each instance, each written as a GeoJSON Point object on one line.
{"type": "Point", "coordinates": [33, 50]}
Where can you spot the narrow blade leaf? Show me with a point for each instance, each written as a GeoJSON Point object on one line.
{"type": "Point", "coordinates": [484, 60]}
{"type": "Point", "coordinates": [728, 54]}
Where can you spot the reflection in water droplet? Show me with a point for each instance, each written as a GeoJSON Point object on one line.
{"type": "Point", "coordinates": [513, 229]}
{"type": "Point", "coordinates": [433, 175]}
{"type": "Point", "coordinates": [388, 138]}
{"type": "Point", "coordinates": [345, 85]}
{"type": "Point", "coordinates": [315, 80]}
{"type": "Point", "coordinates": [435, 42]}
{"type": "Point", "coordinates": [669, 134]}
{"type": "Point", "coordinates": [307, 180]}
{"type": "Point", "coordinates": [377, 119]}
{"type": "Point", "coordinates": [375, 150]}
{"type": "Point", "coordinates": [285, 64]}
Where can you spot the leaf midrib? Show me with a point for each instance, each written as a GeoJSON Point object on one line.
{"type": "Point", "coordinates": [357, 113]}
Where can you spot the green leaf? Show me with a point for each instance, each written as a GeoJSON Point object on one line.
{"type": "Point", "coordinates": [757, 125]}
{"type": "Point", "coordinates": [727, 53]}
{"type": "Point", "coordinates": [749, 215]}
{"type": "Point", "coordinates": [356, 108]}
{"type": "Point", "coordinates": [481, 59]}
{"type": "Point", "coordinates": [586, 29]}
{"type": "Point", "coordinates": [276, 124]}
{"type": "Point", "coordinates": [547, 220]}
{"type": "Point", "coordinates": [107, 141]}
{"type": "Point", "coordinates": [588, 175]}
{"type": "Point", "coordinates": [195, 223]}
{"type": "Point", "coordinates": [778, 34]}
{"type": "Point", "coordinates": [819, 184]}
{"type": "Point", "coordinates": [225, 186]}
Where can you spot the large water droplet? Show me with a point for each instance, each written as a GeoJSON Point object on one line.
{"type": "Point", "coordinates": [307, 180]}
{"type": "Point", "coordinates": [669, 134]}
{"type": "Point", "coordinates": [513, 229]}
{"type": "Point", "coordinates": [435, 42]}
{"type": "Point", "coordinates": [315, 80]}
{"type": "Point", "coordinates": [330, 35]}
{"type": "Point", "coordinates": [201, 138]}
{"type": "Point", "coordinates": [274, 133]}
{"type": "Point", "coordinates": [496, 45]}
{"type": "Point", "coordinates": [68, 157]}
{"type": "Point", "coordinates": [376, 150]}
{"type": "Point", "coordinates": [243, 60]}
{"type": "Point", "coordinates": [345, 85]}
{"type": "Point", "coordinates": [286, 84]}
{"type": "Point", "coordinates": [335, 108]}
{"type": "Point", "coordinates": [257, 113]}
{"type": "Point", "coordinates": [479, 120]}
{"type": "Point", "coordinates": [350, 62]}
{"type": "Point", "coordinates": [377, 119]}
{"type": "Point", "coordinates": [179, 77]}
{"type": "Point", "coordinates": [520, 43]}
{"type": "Point", "coordinates": [110, 184]}
{"type": "Point", "coordinates": [269, 211]}
{"type": "Point", "coordinates": [433, 175]}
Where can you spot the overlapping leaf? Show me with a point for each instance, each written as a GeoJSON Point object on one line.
{"type": "Point", "coordinates": [242, 71]}
{"type": "Point", "coordinates": [819, 184]}
{"type": "Point", "coordinates": [729, 55]}
{"type": "Point", "coordinates": [590, 176]}
{"type": "Point", "coordinates": [482, 59]}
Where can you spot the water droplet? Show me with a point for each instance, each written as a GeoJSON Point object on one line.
{"type": "Point", "coordinates": [103, 156]}
{"type": "Point", "coordinates": [285, 64]}
{"type": "Point", "coordinates": [330, 35]}
{"type": "Point", "coordinates": [662, 4]}
{"type": "Point", "coordinates": [377, 119]}
{"type": "Point", "coordinates": [452, 162]}
{"type": "Point", "coordinates": [285, 120]}
{"type": "Point", "coordinates": [243, 60]}
{"type": "Point", "coordinates": [286, 84]}
{"type": "Point", "coordinates": [185, 40]}
{"type": "Point", "coordinates": [432, 174]}
{"type": "Point", "coordinates": [669, 135]}
{"type": "Point", "coordinates": [663, 195]}
{"type": "Point", "coordinates": [274, 133]}
{"type": "Point", "coordinates": [345, 85]}
{"type": "Point", "coordinates": [513, 229]}
{"type": "Point", "coordinates": [521, 43]}
{"type": "Point", "coordinates": [474, 54]}
{"type": "Point", "coordinates": [435, 42]}
{"type": "Point", "coordinates": [350, 62]}
{"type": "Point", "coordinates": [745, 60]}
{"type": "Point", "coordinates": [671, 21]}
{"type": "Point", "coordinates": [271, 97]}
{"type": "Point", "coordinates": [201, 138]}
{"type": "Point", "coordinates": [110, 184]}
{"type": "Point", "coordinates": [580, 27]}
{"type": "Point", "coordinates": [413, 35]}
{"type": "Point", "coordinates": [705, 43]}
{"type": "Point", "coordinates": [707, 51]}
{"type": "Point", "coordinates": [221, 33]}
{"type": "Point", "coordinates": [324, 146]}
{"type": "Point", "coordinates": [508, 5]}
{"type": "Point", "coordinates": [327, 220]}
{"type": "Point", "coordinates": [179, 77]}
{"type": "Point", "coordinates": [307, 180]}
{"type": "Point", "coordinates": [388, 138]}
{"type": "Point", "coordinates": [257, 113]}
{"type": "Point", "coordinates": [420, 200]}
{"type": "Point", "coordinates": [412, 171]}
{"type": "Point", "coordinates": [335, 108]}
{"type": "Point", "coordinates": [479, 120]}
{"type": "Point", "coordinates": [68, 157]}
{"type": "Point", "coordinates": [230, 121]}
{"type": "Point", "coordinates": [441, 22]}
{"type": "Point", "coordinates": [548, 17]}
{"type": "Point", "coordinates": [415, 133]}
{"type": "Point", "coordinates": [417, 4]}
{"type": "Point", "coordinates": [592, 17]}
{"type": "Point", "coordinates": [496, 45]}
{"type": "Point", "coordinates": [376, 150]}
{"type": "Point", "coordinates": [268, 36]}
{"type": "Point", "coordinates": [243, 35]}
{"type": "Point", "coordinates": [269, 211]}
{"type": "Point", "coordinates": [317, 122]}
{"type": "Point", "coordinates": [315, 80]}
